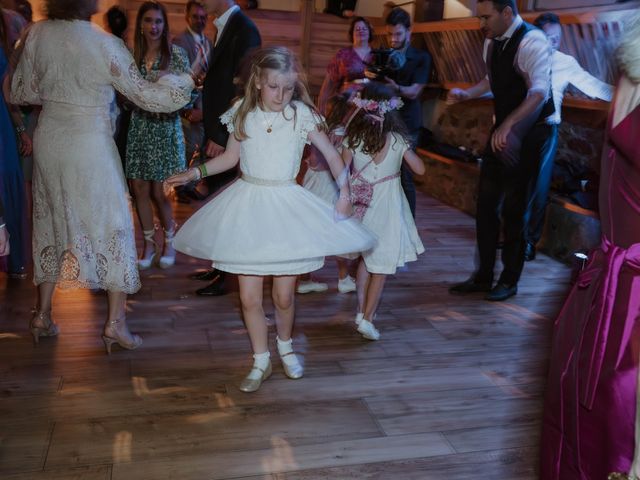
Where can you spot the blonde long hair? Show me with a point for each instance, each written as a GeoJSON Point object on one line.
{"type": "Point", "coordinates": [283, 61]}
{"type": "Point", "coordinates": [629, 49]}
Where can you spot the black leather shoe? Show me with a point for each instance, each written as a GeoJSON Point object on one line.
{"type": "Point", "coordinates": [470, 286]}
{"type": "Point", "coordinates": [501, 292]}
{"type": "Point", "coordinates": [195, 195]}
{"type": "Point", "coordinates": [182, 197]}
{"type": "Point", "coordinates": [206, 276]}
{"type": "Point", "coordinates": [214, 289]}
{"type": "Point", "coordinates": [529, 252]}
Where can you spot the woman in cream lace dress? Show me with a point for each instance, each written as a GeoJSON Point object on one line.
{"type": "Point", "coordinates": [83, 233]}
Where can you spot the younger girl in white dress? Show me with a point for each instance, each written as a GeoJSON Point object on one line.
{"type": "Point", "coordinates": [318, 180]}
{"type": "Point", "coordinates": [264, 223]}
{"type": "Point", "coordinates": [376, 145]}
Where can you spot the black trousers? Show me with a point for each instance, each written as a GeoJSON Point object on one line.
{"type": "Point", "coordinates": [540, 196]}
{"type": "Point", "coordinates": [509, 187]}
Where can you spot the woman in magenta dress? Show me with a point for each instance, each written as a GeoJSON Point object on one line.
{"type": "Point", "coordinates": [589, 425]}
{"type": "Point", "coordinates": [349, 63]}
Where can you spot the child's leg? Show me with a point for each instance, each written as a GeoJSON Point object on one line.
{"type": "Point", "coordinates": [362, 284]}
{"type": "Point", "coordinates": [251, 302]}
{"type": "Point", "coordinates": [345, 282]}
{"type": "Point", "coordinates": [343, 267]}
{"type": "Point", "coordinates": [283, 295]}
{"type": "Point", "coordinates": [372, 291]}
{"type": "Point", "coordinates": [373, 294]}
{"type": "Point", "coordinates": [252, 311]}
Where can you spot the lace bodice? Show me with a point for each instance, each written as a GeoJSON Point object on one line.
{"type": "Point", "coordinates": [275, 155]}
{"type": "Point", "coordinates": [76, 62]}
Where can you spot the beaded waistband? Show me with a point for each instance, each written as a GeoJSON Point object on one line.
{"type": "Point", "coordinates": [266, 182]}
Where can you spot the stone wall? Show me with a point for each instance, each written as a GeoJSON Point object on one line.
{"type": "Point", "coordinates": [468, 124]}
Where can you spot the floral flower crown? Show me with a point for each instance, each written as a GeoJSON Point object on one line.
{"type": "Point", "coordinates": [377, 107]}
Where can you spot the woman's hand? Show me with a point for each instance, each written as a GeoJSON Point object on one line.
{"type": "Point", "coordinates": [187, 176]}
{"type": "Point", "coordinates": [26, 146]}
{"type": "Point", "coordinates": [343, 208]}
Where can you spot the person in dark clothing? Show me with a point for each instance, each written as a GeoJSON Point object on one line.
{"type": "Point", "coordinates": [237, 37]}
{"type": "Point", "coordinates": [518, 59]}
{"type": "Point", "coordinates": [408, 83]}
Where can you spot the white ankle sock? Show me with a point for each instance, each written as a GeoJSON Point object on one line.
{"type": "Point", "coordinates": [283, 349]}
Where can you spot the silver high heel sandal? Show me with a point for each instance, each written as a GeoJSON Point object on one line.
{"type": "Point", "coordinates": [145, 262]}
{"type": "Point", "coordinates": [41, 325]}
{"type": "Point", "coordinates": [136, 340]}
{"type": "Point", "coordinates": [167, 261]}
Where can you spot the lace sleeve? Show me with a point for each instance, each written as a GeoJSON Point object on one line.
{"type": "Point", "coordinates": [308, 120]}
{"type": "Point", "coordinates": [25, 82]}
{"type": "Point", "coordinates": [228, 117]}
{"type": "Point", "coordinates": [168, 94]}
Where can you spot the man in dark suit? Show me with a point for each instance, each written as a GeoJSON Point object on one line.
{"type": "Point", "coordinates": [408, 83]}
{"type": "Point", "coordinates": [237, 36]}
{"type": "Point", "coordinates": [198, 48]}
{"type": "Point", "coordinates": [518, 59]}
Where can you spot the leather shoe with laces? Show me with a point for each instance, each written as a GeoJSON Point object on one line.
{"type": "Point", "coordinates": [470, 286]}
{"type": "Point", "coordinates": [529, 252]}
{"type": "Point", "coordinates": [501, 292]}
{"type": "Point", "coordinates": [214, 289]}
{"type": "Point", "coordinates": [206, 276]}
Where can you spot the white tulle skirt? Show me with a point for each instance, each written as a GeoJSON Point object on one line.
{"type": "Point", "coordinates": [322, 184]}
{"type": "Point", "coordinates": [256, 229]}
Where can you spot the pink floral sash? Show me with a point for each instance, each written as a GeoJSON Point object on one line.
{"type": "Point", "coordinates": [362, 190]}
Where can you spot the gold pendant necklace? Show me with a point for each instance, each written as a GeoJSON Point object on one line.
{"type": "Point", "coordinates": [268, 124]}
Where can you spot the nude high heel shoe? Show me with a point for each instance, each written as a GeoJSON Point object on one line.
{"type": "Point", "coordinates": [145, 262]}
{"type": "Point", "coordinates": [120, 338]}
{"type": "Point", "coordinates": [41, 325]}
{"type": "Point", "coordinates": [167, 261]}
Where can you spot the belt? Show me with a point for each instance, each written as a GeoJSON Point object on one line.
{"type": "Point", "coordinates": [264, 182]}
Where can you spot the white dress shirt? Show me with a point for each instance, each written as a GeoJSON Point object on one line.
{"type": "Point", "coordinates": [222, 20]}
{"type": "Point", "coordinates": [566, 70]}
{"type": "Point", "coordinates": [533, 58]}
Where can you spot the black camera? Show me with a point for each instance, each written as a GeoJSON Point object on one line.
{"type": "Point", "coordinates": [386, 61]}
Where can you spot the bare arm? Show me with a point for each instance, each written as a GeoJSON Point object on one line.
{"type": "Point", "coordinates": [213, 166]}
{"type": "Point", "coordinates": [414, 162]}
{"type": "Point", "coordinates": [338, 169]}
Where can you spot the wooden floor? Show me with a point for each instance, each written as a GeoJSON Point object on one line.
{"type": "Point", "coordinates": [453, 389]}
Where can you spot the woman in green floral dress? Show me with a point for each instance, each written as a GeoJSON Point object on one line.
{"type": "Point", "coordinates": [155, 142]}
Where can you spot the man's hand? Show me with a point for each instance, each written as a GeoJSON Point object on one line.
{"type": "Point", "coordinates": [499, 142]}
{"type": "Point", "coordinates": [393, 85]}
{"type": "Point", "coordinates": [212, 149]}
{"type": "Point", "coordinates": [193, 115]}
{"type": "Point", "coordinates": [456, 95]}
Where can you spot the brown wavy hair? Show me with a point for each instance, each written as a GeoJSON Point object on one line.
{"type": "Point", "coordinates": [140, 44]}
{"type": "Point", "coordinates": [70, 9]}
{"type": "Point", "coordinates": [282, 60]}
{"type": "Point", "coordinates": [338, 110]}
{"type": "Point", "coordinates": [365, 131]}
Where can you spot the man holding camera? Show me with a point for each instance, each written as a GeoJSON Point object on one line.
{"type": "Point", "coordinates": [408, 82]}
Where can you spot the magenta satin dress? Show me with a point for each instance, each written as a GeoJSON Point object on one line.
{"type": "Point", "coordinates": [590, 404]}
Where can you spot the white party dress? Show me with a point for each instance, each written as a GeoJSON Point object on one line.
{"type": "Point", "coordinates": [388, 216]}
{"type": "Point", "coordinates": [264, 223]}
